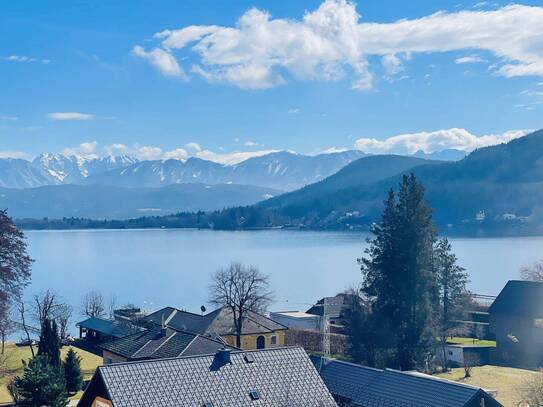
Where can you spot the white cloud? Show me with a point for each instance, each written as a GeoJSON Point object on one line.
{"type": "Point", "coordinates": [64, 116]}
{"type": "Point", "coordinates": [250, 143]}
{"type": "Point", "coordinates": [232, 158]}
{"type": "Point", "coordinates": [333, 150]}
{"type": "Point", "coordinates": [92, 149]}
{"type": "Point", "coordinates": [24, 58]}
{"type": "Point", "coordinates": [161, 59]}
{"type": "Point", "coordinates": [14, 154]}
{"type": "Point", "coordinates": [294, 110]}
{"type": "Point", "coordinates": [193, 147]}
{"type": "Point", "coordinates": [429, 142]}
{"type": "Point", "coordinates": [9, 118]}
{"type": "Point", "coordinates": [332, 42]}
{"type": "Point", "coordinates": [470, 59]}
{"type": "Point", "coordinates": [87, 149]}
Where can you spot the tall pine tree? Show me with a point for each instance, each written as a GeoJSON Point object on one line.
{"type": "Point", "coordinates": [399, 277]}
{"type": "Point", "coordinates": [49, 345]}
{"type": "Point", "coordinates": [72, 372]}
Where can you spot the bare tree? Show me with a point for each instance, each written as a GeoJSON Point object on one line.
{"type": "Point", "coordinates": [240, 288]}
{"type": "Point", "coordinates": [533, 272]}
{"type": "Point", "coordinates": [6, 324]}
{"type": "Point", "coordinates": [65, 312]}
{"type": "Point", "coordinates": [93, 304]}
{"type": "Point", "coordinates": [46, 306]}
{"type": "Point", "coordinates": [531, 392]}
{"type": "Point", "coordinates": [21, 309]}
{"type": "Point", "coordinates": [470, 360]}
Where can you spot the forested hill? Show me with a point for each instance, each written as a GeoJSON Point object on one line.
{"type": "Point", "coordinates": [494, 190]}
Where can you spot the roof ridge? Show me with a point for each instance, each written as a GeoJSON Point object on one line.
{"type": "Point", "coordinates": [425, 376]}
{"type": "Point", "coordinates": [114, 365]}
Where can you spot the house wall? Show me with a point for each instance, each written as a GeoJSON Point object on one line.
{"type": "Point", "coordinates": [311, 323]}
{"type": "Point", "coordinates": [249, 341]}
{"type": "Point", "coordinates": [109, 358]}
{"type": "Point", "coordinates": [527, 346]}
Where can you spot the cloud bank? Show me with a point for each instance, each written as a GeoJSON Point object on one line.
{"type": "Point", "coordinates": [65, 116]}
{"type": "Point", "coordinates": [92, 149]}
{"type": "Point", "coordinates": [332, 42]}
{"type": "Point", "coordinates": [429, 142]}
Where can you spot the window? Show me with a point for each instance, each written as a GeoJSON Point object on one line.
{"type": "Point", "coordinates": [450, 353]}
{"type": "Point", "coordinates": [274, 340]}
{"type": "Point", "coordinates": [260, 342]}
{"type": "Point", "coordinates": [109, 361]}
{"type": "Point", "coordinates": [208, 404]}
{"type": "Point", "coordinates": [254, 395]}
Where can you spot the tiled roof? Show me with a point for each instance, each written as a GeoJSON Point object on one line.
{"type": "Point", "coordinates": [523, 298]}
{"type": "Point", "coordinates": [109, 327]}
{"type": "Point", "coordinates": [369, 387]}
{"type": "Point", "coordinates": [156, 344]}
{"type": "Point", "coordinates": [280, 377]}
{"type": "Point", "coordinates": [218, 322]}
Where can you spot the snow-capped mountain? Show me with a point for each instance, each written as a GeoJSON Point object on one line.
{"type": "Point", "coordinates": [281, 170]}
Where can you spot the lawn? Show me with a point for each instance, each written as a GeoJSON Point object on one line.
{"type": "Point", "coordinates": [506, 381]}
{"type": "Point", "coordinates": [15, 355]}
{"type": "Point", "coordinates": [471, 341]}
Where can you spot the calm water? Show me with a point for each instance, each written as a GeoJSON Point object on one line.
{"type": "Point", "coordinates": [153, 268]}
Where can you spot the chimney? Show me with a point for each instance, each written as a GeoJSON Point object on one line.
{"type": "Point", "coordinates": [163, 328]}
{"type": "Point", "coordinates": [224, 356]}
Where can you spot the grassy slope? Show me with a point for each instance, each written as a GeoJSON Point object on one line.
{"type": "Point", "coordinates": [506, 381]}
{"type": "Point", "coordinates": [15, 355]}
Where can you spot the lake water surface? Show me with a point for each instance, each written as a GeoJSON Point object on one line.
{"type": "Point", "coordinates": [154, 268]}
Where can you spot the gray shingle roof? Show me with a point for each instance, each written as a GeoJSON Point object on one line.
{"type": "Point", "coordinates": [155, 344]}
{"type": "Point", "coordinates": [522, 298]}
{"type": "Point", "coordinates": [218, 322]}
{"type": "Point", "coordinates": [109, 327]}
{"type": "Point", "coordinates": [390, 388]}
{"type": "Point", "coordinates": [282, 377]}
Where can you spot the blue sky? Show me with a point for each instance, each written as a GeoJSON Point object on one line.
{"type": "Point", "coordinates": [229, 78]}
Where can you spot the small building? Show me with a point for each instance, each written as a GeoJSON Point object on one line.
{"type": "Point", "coordinates": [459, 355]}
{"type": "Point", "coordinates": [297, 320]}
{"type": "Point", "coordinates": [272, 377]}
{"type": "Point", "coordinates": [360, 386]}
{"type": "Point", "coordinates": [516, 318]}
{"type": "Point", "coordinates": [258, 331]}
{"type": "Point", "coordinates": [157, 343]}
{"type": "Point", "coordinates": [96, 329]}
{"type": "Point", "coordinates": [337, 308]}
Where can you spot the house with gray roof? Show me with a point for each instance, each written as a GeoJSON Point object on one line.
{"type": "Point", "coordinates": [258, 331]}
{"type": "Point", "coordinates": [96, 329]}
{"type": "Point", "coordinates": [360, 386]}
{"type": "Point", "coordinates": [156, 343]}
{"type": "Point", "coordinates": [271, 377]}
{"type": "Point", "coordinates": [516, 318]}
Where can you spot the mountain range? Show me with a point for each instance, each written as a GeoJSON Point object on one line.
{"type": "Point", "coordinates": [281, 170]}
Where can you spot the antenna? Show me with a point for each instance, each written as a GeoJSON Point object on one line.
{"type": "Point", "coordinates": [325, 334]}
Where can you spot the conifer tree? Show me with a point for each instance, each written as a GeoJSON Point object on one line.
{"type": "Point", "coordinates": [41, 384]}
{"type": "Point", "coordinates": [49, 345]}
{"type": "Point", "coordinates": [399, 277]}
{"type": "Point", "coordinates": [72, 372]}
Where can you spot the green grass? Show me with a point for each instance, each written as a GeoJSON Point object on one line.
{"type": "Point", "coordinates": [13, 365]}
{"type": "Point", "coordinates": [507, 381]}
{"type": "Point", "coordinates": [471, 341]}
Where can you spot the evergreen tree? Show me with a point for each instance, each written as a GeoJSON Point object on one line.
{"type": "Point", "coordinates": [49, 345]}
{"type": "Point", "coordinates": [399, 277]}
{"type": "Point", "coordinates": [451, 282]}
{"type": "Point", "coordinates": [72, 372]}
{"type": "Point", "coordinates": [41, 385]}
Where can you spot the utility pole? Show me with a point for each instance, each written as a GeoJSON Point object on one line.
{"type": "Point", "coordinates": [325, 322]}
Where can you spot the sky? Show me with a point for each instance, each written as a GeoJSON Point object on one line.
{"type": "Point", "coordinates": [226, 80]}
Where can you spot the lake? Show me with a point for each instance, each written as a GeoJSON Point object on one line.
{"type": "Point", "coordinates": [154, 268]}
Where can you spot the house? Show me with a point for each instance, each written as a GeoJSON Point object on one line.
{"type": "Point", "coordinates": [337, 308]}
{"type": "Point", "coordinates": [258, 331]}
{"type": "Point", "coordinates": [271, 377]}
{"type": "Point", "coordinates": [360, 386]}
{"type": "Point", "coordinates": [516, 319]}
{"type": "Point", "coordinates": [459, 355]}
{"type": "Point", "coordinates": [297, 320]}
{"type": "Point", "coordinates": [157, 343]}
{"type": "Point", "coordinates": [96, 329]}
